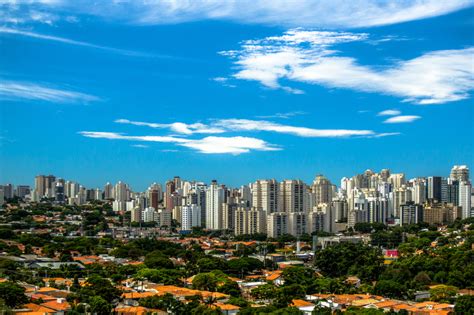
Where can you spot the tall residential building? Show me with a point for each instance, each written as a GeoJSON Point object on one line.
{"type": "Point", "coordinates": [277, 224]}
{"type": "Point", "coordinates": [297, 223]}
{"type": "Point", "coordinates": [121, 192]}
{"type": "Point", "coordinates": [460, 173]}
{"type": "Point", "coordinates": [411, 213]}
{"type": "Point", "coordinates": [190, 217]}
{"type": "Point", "coordinates": [397, 180]}
{"type": "Point", "coordinates": [154, 195]}
{"type": "Point", "coordinates": [419, 190]}
{"type": "Point", "coordinates": [136, 214]}
{"type": "Point", "coordinates": [400, 197]}
{"type": "Point", "coordinates": [249, 220]}
{"type": "Point", "coordinates": [265, 195]}
{"type": "Point", "coordinates": [8, 191]}
{"type": "Point", "coordinates": [465, 190]}
{"type": "Point", "coordinates": [322, 190]}
{"type": "Point", "coordinates": [377, 208]}
{"type": "Point", "coordinates": [433, 188]}
{"type": "Point", "coordinates": [108, 191]}
{"type": "Point", "coordinates": [43, 184]}
{"type": "Point", "coordinates": [291, 196]}
{"type": "Point", "coordinates": [215, 196]}
{"type": "Point", "coordinates": [170, 189]}
{"type": "Point", "coordinates": [22, 191]}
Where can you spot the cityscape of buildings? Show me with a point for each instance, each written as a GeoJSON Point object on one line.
{"type": "Point", "coordinates": [273, 207]}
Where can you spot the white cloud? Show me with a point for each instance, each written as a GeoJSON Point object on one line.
{"type": "Point", "coordinates": [283, 115]}
{"type": "Point", "coordinates": [178, 127]}
{"type": "Point", "coordinates": [207, 145]}
{"type": "Point", "coordinates": [142, 146]}
{"type": "Point", "coordinates": [12, 31]}
{"type": "Point", "coordinates": [307, 56]}
{"type": "Point", "coordinates": [236, 125]}
{"type": "Point", "coordinates": [389, 112]}
{"type": "Point", "coordinates": [262, 125]}
{"type": "Point", "coordinates": [401, 119]}
{"type": "Point", "coordinates": [31, 91]}
{"type": "Point", "coordinates": [310, 13]}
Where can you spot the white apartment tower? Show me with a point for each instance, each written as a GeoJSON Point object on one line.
{"type": "Point", "coordinates": [214, 199]}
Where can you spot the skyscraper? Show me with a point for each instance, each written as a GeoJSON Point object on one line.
{"type": "Point", "coordinates": [322, 190]}
{"type": "Point", "coordinates": [265, 195]}
{"type": "Point", "coordinates": [190, 217]}
{"type": "Point", "coordinates": [434, 188]}
{"type": "Point", "coordinates": [465, 199]}
{"type": "Point", "coordinates": [43, 183]}
{"type": "Point", "coordinates": [214, 198]}
{"type": "Point", "coordinates": [460, 173]}
{"type": "Point", "coordinates": [291, 196]}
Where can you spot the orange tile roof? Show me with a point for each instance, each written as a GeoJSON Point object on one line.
{"type": "Point", "coordinates": [385, 304]}
{"type": "Point", "coordinates": [226, 307]}
{"type": "Point", "coordinates": [301, 303]}
{"type": "Point", "coordinates": [138, 295]}
{"type": "Point", "coordinates": [44, 297]}
{"type": "Point", "coordinates": [38, 308]}
{"type": "Point", "coordinates": [137, 310]}
{"type": "Point", "coordinates": [55, 305]}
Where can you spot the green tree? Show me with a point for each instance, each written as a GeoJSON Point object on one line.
{"type": "Point", "coordinates": [12, 294]}
{"type": "Point", "coordinates": [158, 260]}
{"type": "Point", "coordinates": [99, 306]}
{"type": "Point", "coordinates": [464, 305]}
{"type": "Point", "coordinates": [205, 281]}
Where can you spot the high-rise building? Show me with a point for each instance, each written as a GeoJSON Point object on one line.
{"type": "Point", "coordinates": [397, 180]}
{"type": "Point", "coordinates": [108, 191]}
{"type": "Point", "coordinates": [44, 183]}
{"type": "Point", "coordinates": [215, 196]}
{"type": "Point", "coordinates": [297, 223]}
{"type": "Point", "coordinates": [401, 196]}
{"type": "Point", "coordinates": [22, 191]}
{"type": "Point", "coordinates": [465, 190]}
{"type": "Point", "coordinates": [121, 192]}
{"type": "Point", "coordinates": [249, 220]}
{"type": "Point", "coordinates": [433, 188]}
{"type": "Point", "coordinates": [8, 191]}
{"type": "Point", "coordinates": [460, 173]}
{"type": "Point", "coordinates": [377, 209]}
{"type": "Point", "coordinates": [190, 217]}
{"type": "Point", "coordinates": [277, 224]}
{"type": "Point", "coordinates": [411, 213]}
{"type": "Point", "coordinates": [265, 195]}
{"type": "Point", "coordinates": [291, 196]}
{"type": "Point", "coordinates": [322, 190]}
{"type": "Point", "coordinates": [170, 189]}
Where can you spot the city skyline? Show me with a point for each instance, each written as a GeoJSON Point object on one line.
{"type": "Point", "coordinates": [145, 185]}
{"type": "Point", "coordinates": [144, 92]}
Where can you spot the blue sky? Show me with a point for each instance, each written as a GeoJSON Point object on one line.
{"type": "Point", "coordinates": [236, 91]}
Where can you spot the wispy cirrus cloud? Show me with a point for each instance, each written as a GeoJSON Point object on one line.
{"type": "Point", "coordinates": [177, 127]}
{"type": "Point", "coordinates": [17, 32]}
{"type": "Point", "coordinates": [310, 13]}
{"type": "Point", "coordinates": [285, 115]}
{"type": "Point", "coordinates": [308, 56]}
{"type": "Point", "coordinates": [402, 119]}
{"type": "Point", "coordinates": [33, 91]}
{"type": "Point", "coordinates": [208, 145]}
{"type": "Point", "coordinates": [389, 112]}
{"type": "Point", "coordinates": [239, 125]}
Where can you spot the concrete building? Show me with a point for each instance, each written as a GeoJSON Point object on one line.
{"type": "Point", "coordinates": [277, 224]}
{"type": "Point", "coordinates": [249, 220]}
{"type": "Point", "coordinates": [291, 196]}
{"type": "Point", "coordinates": [190, 217]}
{"type": "Point", "coordinates": [265, 195]}
{"type": "Point", "coordinates": [214, 198]}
